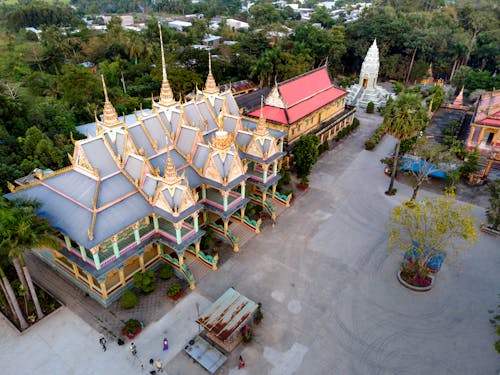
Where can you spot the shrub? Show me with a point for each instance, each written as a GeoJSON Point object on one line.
{"type": "Point", "coordinates": [145, 281]}
{"type": "Point", "coordinates": [370, 108]}
{"type": "Point", "coordinates": [247, 334]}
{"type": "Point", "coordinates": [131, 326]}
{"type": "Point", "coordinates": [375, 138]}
{"type": "Point", "coordinates": [369, 145]}
{"type": "Point", "coordinates": [129, 299]}
{"type": "Point", "coordinates": [174, 289]}
{"type": "Point", "coordinates": [286, 178]}
{"type": "Point", "coordinates": [165, 272]}
{"type": "Point", "coordinates": [355, 123]}
{"type": "Point", "coordinates": [323, 147]}
{"type": "Point", "coordinates": [258, 316]}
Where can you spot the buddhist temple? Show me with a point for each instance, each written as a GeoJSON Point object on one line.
{"type": "Point", "coordinates": [367, 90]}
{"type": "Point", "coordinates": [485, 129]}
{"type": "Point", "coordinates": [306, 104]}
{"type": "Point", "coordinates": [141, 194]}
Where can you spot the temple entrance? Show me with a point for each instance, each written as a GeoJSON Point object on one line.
{"type": "Point", "coordinates": [365, 82]}
{"type": "Point", "coordinates": [490, 138]}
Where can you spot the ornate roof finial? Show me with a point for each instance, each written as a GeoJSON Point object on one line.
{"type": "Point", "coordinates": [210, 85]}
{"type": "Point", "coordinates": [261, 128]}
{"type": "Point", "coordinates": [170, 173]}
{"type": "Point", "coordinates": [166, 94]}
{"type": "Point", "coordinates": [459, 100]}
{"type": "Point", "coordinates": [109, 116]}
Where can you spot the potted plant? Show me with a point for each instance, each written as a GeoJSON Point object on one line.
{"type": "Point", "coordinates": [131, 328]}
{"type": "Point", "coordinates": [166, 272]}
{"type": "Point", "coordinates": [258, 316]}
{"type": "Point", "coordinates": [247, 334]}
{"type": "Point", "coordinates": [175, 291]}
{"type": "Point", "coordinates": [128, 300]}
{"type": "Point", "coordinates": [304, 183]}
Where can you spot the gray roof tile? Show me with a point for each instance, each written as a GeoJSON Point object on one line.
{"type": "Point", "coordinates": [156, 131]}
{"type": "Point", "coordinates": [141, 140]}
{"type": "Point", "coordinates": [113, 188]}
{"type": "Point", "coordinates": [200, 156]}
{"type": "Point", "coordinates": [99, 156]}
{"type": "Point", "coordinates": [75, 185]}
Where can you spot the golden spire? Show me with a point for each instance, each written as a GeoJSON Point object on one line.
{"type": "Point", "coordinates": [166, 94]}
{"type": "Point", "coordinates": [261, 128]}
{"type": "Point", "coordinates": [170, 173]}
{"type": "Point", "coordinates": [210, 85]}
{"type": "Point", "coordinates": [459, 100]}
{"type": "Point", "coordinates": [109, 116]}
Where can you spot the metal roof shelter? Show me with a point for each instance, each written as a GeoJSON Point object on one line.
{"type": "Point", "coordinates": [224, 319]}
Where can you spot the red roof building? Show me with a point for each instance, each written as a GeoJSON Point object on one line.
{"type": "Point", "coordinates": [485, 128]}
{"type": "Point", "coordinates": [307, 103]}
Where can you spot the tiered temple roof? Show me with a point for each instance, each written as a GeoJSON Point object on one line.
{"type": "Point", "coordinates": [129, 171]}
{"type": "Point", "coordinates": [298, 97]}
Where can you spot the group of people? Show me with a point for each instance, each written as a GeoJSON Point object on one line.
{"type": "Point", "coordinates": [158, 363]}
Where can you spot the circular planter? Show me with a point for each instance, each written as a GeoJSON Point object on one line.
{"type": "Point", "coordinates": [302, 186]}
{"type": "Point", "coordinates": [413, 287]}
{"type": "Point", "coordinates": [132, 335]}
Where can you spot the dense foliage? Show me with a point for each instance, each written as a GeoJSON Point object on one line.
{"type": "Point", "coordinates": [50, 82]}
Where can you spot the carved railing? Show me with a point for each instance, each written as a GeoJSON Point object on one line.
{"type": "Point", "coordinates": [208, 260]}
{"type": "Point", "coordinates": [252, 224]}
{"type": "Point", "coordinates": [282, 198]}
{"type": "Point", "coordinates": [219, 229]}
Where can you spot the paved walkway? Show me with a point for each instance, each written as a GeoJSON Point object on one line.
{"type": "Point", "coordinates": [330, 298]}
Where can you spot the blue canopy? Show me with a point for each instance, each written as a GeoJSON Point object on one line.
{"type": "Point", "coordinates": [417, 165]}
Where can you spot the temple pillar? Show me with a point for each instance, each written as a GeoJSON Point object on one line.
{"type": "Point", "coordinates": [181, 260]}
{"type": "Point", "coordinates": [242, 214]}
{"type": "Point", "coordinates": [158, 249]}
{"type": "Point", "coordinates": [225, 195]}
{"type": "Point", "coordinates": [178, 233]}
{"type": "Point", "coordinates": [90, 279]}
{"type": "Point", "coordinates": [481, 136]}
{"type": "Point", "coordinates": [243, 185]}
{"type": "Point", "coordinates": [83, 253]}
{"type": "Point", "coordinates": [488, 168]}
{"type": "Point", "coordinates": [95, 255]}
{"type": "Point", "coordinates": [137, 235]}
{"type": "Point", "coordinates": [275, 167]}
{"type": "Point", "coordinates": [68, 242]}
{"type": "Point", "coordinates": [225, 227]}
{"type": "Point", "coordinates": [103, 289]}
{"type": "Point", "coordinates": [155, 222]}
{"type": "Point", "coordinates": [195, 222]}
{"type": "Point", "coordinates": [264, 197]}
{"type": "Point", "coordinates": [121, 274]}
{"type": "Point", "coordinates": [197, 248]}
{"type": "Point", "coordinates": [75, 270]}
{"type": "Point", "coordinates": [203, 192]}
{"type": "Point", "coordinates": [116, 250]}
{"type": "Point", "coordinates": [471, 135]}
{"type": "Point", "coordinates": [273, 189]}
{"type": "Point", "coordinates": [264, 176]}
{"type": "Point", "coordinates": [141, 263]}
{"type": "Point", "coordinates": [281, 146]}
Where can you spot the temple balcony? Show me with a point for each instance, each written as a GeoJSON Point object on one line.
{"type": "Point", "coordinates": [224, 206]}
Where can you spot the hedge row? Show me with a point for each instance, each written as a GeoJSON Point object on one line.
{"type": "Point", "coordinates": [375, 138]}
{"type": "Point", "coordinates": [348, 129]}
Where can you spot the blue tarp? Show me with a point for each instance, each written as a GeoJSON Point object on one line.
{"type": "Point", "coordinates": [414, 164]}
{"type": "Point", "coordinates": [435, 262]}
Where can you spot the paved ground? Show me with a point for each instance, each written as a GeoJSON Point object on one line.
{"type": "Point", "coordinates": [330, 298]}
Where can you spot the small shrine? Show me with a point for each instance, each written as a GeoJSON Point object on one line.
{"type": "Point", "coordinates": [367, 90]}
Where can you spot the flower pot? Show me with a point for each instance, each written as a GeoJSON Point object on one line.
{"type": "Point", "coordinates": [177, 296]}
{"type": "Point", "coordinates": [413, 287]}
{"type": "Point", "coordinates": [302, 186]}
{"type": "Point", "coordinates": [131, 335]}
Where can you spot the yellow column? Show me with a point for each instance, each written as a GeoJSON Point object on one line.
{"type": "Point", "coordinates": [121, 274]}
{"type": "Point", "coordinates": [197, 248]}
{"type": "Point", "coordinates": [75, 270]}
{"type": "Point", "coordinates": [91, 281]}
{"type": "Point", "coordinates": [481, 136]}
{"type": "Point", "coordinates": [273, 189]}
{"type": "Point", "coordinates": [158, 249]}
{"type": "Point", "coordinates": [181, 260]}
{"type": "Point", "coordinates": [141, 263]}
{"type": "Point", "coordinates": [471, 135]}
{"type": "Point", "coordinates": [103, 290]}
{"type": "Point", "coordinates": [242, 214]}
{"type": "Point", "coordinates": [225, 227]}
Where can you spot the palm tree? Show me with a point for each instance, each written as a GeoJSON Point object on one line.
{"type": "Point", "coordinates": [21, 229]}
{"type": "Point", "coordinates": [404, 118]}
{"type": "Point", "coordinates": [12, 300]}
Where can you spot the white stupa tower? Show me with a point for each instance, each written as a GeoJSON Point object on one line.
{"type": "Point", "coordinates": [366, 90]}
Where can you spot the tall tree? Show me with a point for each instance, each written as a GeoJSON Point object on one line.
{"type": "Point", "coordinates": [21, 229]}
{"type": "Point", "coordinates": [430, 157]}
{"type": "Point", "coordinates": [403, 119]}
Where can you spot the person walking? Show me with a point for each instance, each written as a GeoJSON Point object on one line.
{"type": "Point", "coordinates": [241, 364]}
{"type": "Point", "coordinates": [103, 343]}
{"type": "Point", "coordinates": [159, 365]}
{"type": "Point", "coordinates": [165, 344]}
{"type": "Point", "coordinates": [133, 349]}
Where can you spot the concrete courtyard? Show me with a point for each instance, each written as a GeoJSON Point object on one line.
{"type": "Point", "coordinates": [331, 301]}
